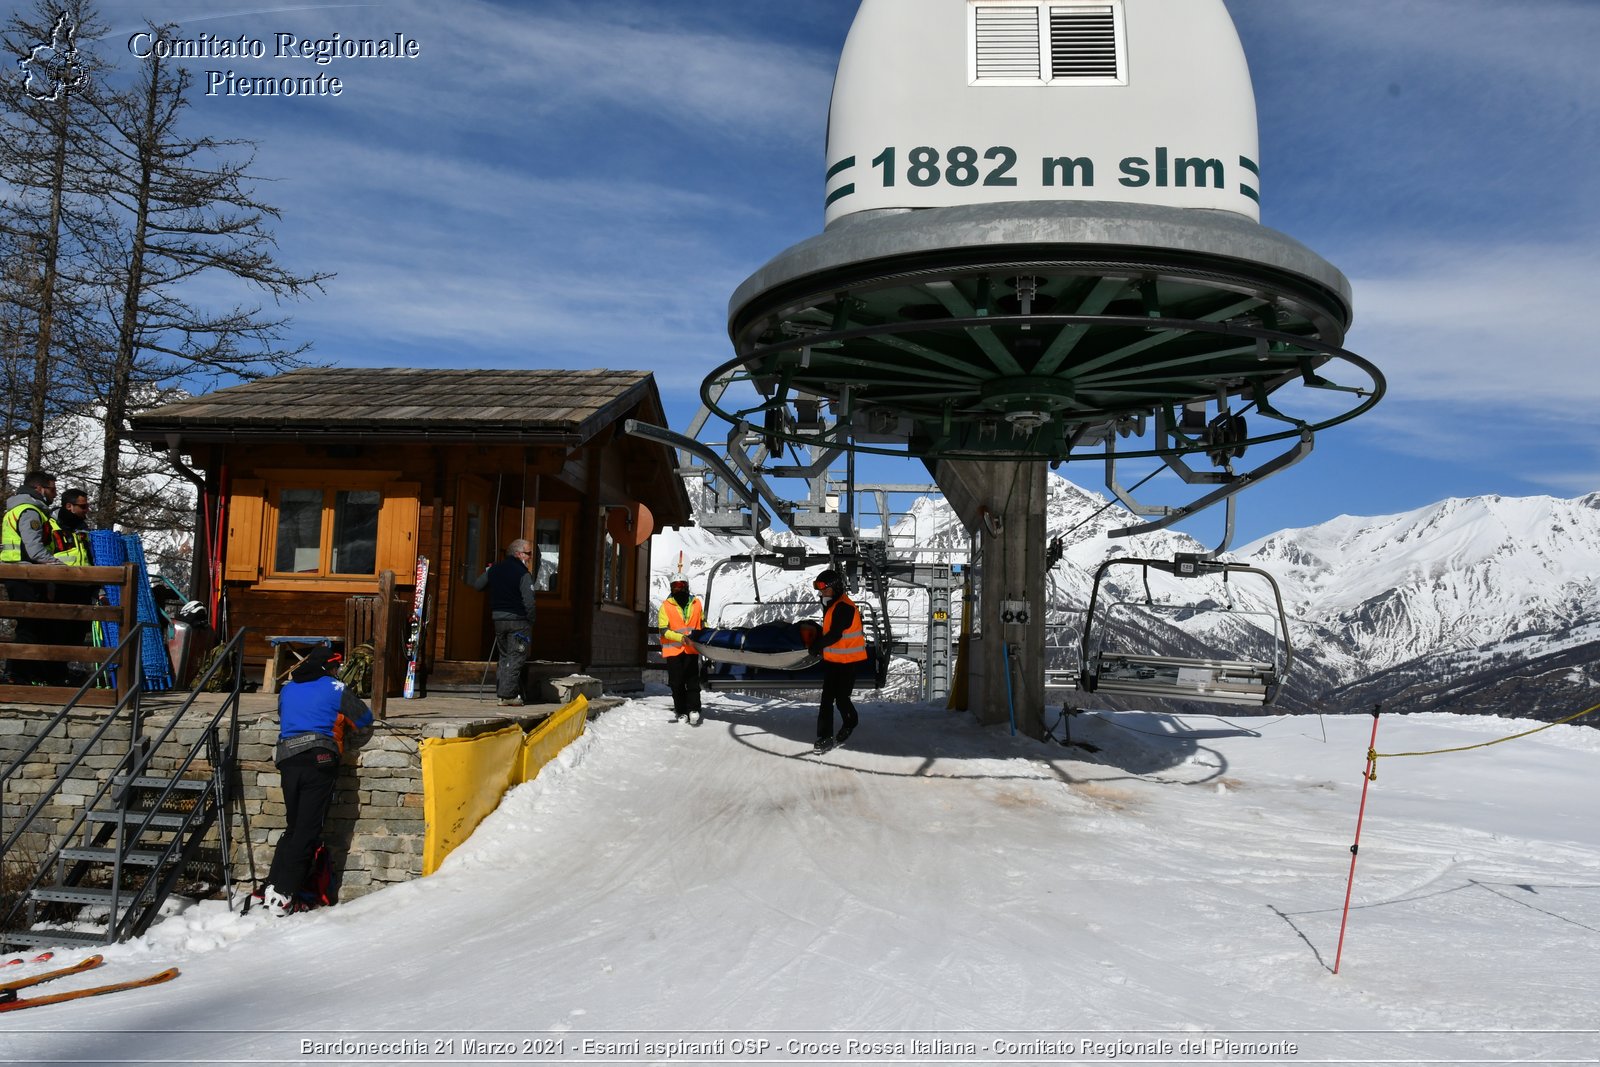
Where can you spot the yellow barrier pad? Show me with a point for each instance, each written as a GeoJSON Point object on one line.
{"type": "Point", "coordinates": [463, 779]}
{"type": "Point", "coordinates": [551, 736]}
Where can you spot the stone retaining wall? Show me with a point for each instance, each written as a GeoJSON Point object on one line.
{"type": "Point", "coordinates": [375, 826]}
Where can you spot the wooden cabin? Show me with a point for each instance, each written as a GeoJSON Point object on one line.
{"type": "Point", "coordinates": [316, 482]}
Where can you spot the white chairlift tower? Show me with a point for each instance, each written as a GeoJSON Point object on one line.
{"type": "Point", "coordinates": [1042, 244]}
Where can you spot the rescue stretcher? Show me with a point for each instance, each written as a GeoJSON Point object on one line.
{"type": "Point", "coordinates": [754, 646]}
{"type": "Point", "coordinates": [774, 655]}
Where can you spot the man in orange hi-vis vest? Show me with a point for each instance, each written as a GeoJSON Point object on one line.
{"type": "Point", "coordinates": [843, 645]}
{"type": "Point", "coordinates": [679, 614]}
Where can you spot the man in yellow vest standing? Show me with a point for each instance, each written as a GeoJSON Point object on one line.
{"type": "Point", "coordinates": [843, 645]}
{"type": "Point", "coordinates": [72, 521]}
{"type": "Point", "coordinates": [28, 535]}
{"type": "Point", "coordinates": [679, 614]}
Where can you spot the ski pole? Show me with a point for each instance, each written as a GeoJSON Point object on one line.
{"type": "Point", "coordinates": [1366, 779]}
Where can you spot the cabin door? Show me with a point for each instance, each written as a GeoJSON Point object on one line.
{"type": "Point", "coordinates": [474, 546]}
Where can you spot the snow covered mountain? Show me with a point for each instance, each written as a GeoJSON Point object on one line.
{"type": "Point", "coordinates": [1487, 604]}
{"type": "Point", "coordinates": [1433, 605]}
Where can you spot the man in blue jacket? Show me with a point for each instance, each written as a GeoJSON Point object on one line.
{"type": "Point", "coordinates": [315, 711]}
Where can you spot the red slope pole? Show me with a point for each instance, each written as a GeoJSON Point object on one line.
{"type": "Point", "coordinates": [1366, 780]}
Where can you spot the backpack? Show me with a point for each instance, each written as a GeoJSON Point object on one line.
{"type": "Point", "coordinates": [317, 891]}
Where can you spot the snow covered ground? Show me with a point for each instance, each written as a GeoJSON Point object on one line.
{"type": "Point", "coordinates": [1172, 897]}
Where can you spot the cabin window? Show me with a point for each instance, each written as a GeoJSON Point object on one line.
{"type": "Point", "coordinates": [547, 535]}
{"type": "Point", "coordinates": [326, 531]}
{"type": "Point", "coordinates": [299, 532]}
{"type": "Point", "coordinates": [290, 526]}
{"type": "Point", "coordinates": [354, 549]}
{"type": "Point", "coordinates": [614, 571]}
{"type": "Point", "coordinates": [1046, 42]}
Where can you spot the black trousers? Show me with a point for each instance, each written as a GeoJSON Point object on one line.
{"type": "Point", "coordinates": [838, 682]}
{"type": "Point", "coordinates": [683, 677]}
{"type": "Point", "coordinates": [308, 781]}
{"type": "Point", "coordinates": [35, 632]}
{"type": "Point", "coordinates": [513, 637]}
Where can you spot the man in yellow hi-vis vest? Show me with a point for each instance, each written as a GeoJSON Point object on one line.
{"type": "Point", "coordinates": [843, 645]}
{"type": "Point", "coordinates": [679, 614]}
{"type": "Point", "coordinates": [72, 524]}
{"type": "Point", "coordinates": [28, 535]}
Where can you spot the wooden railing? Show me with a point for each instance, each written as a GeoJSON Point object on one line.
{"type": "Point", "coordinates": [126, 576]}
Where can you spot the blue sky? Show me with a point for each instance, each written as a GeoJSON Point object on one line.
{"type": "Point", "coordinates": [555, 184]}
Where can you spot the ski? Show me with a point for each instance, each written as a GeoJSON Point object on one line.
{"type": "Point", "coordinates": [93, 991]}
{"type": "Point", "coordinates": [40, 958]}
{"type": "Point", "coordinates": [414, 646]}
{"type": "Point", "coordinates": [60, 972]}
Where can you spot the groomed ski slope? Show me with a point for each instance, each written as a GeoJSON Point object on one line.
{"type": "Point", "coordinates": [933, 881]}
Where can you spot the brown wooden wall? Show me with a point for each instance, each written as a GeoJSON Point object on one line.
{"type": "Point", "coordinates": [574, 627]}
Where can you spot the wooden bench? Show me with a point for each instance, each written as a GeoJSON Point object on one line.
{"type": "Point", "coordinates": [288, 652]}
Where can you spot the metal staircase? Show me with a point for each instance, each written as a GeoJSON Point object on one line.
{"type": "Point", "coordinates": [144, 825]}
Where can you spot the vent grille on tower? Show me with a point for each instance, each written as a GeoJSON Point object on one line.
{"type": "Point", "coordinates": [1040, 43]}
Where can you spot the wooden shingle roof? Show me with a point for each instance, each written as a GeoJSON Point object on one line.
{"type": "Point", "coordinates": [528, 406]}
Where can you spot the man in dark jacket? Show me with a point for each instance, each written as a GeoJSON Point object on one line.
{"type": "Point", "coordinates": [510, 585]}
{"type": "Point", "coordinates": [315, 711]}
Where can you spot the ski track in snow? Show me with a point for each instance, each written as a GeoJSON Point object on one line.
{"type": "Point", "coordinates": [937, 876]}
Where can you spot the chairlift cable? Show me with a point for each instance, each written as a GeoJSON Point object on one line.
{"type": "Point", "coordinates": [1095, 514]}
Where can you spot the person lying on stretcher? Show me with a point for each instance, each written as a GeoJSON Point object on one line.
{"type": "Point", "coordinates": [774, 644]}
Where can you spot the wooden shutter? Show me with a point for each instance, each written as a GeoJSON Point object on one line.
{"type": "Point", "coordinates": [398, 519]}
{"type": "Point", "coordinates": [246, 506]}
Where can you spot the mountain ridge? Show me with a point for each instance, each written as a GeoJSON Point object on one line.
{"type": "Point", "coordinates": [1461, 605]}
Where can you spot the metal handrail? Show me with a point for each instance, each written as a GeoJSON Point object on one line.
{"type": "Point", "coordinates": [132, 765]}
{"type": "Point", "coordinates": [126, 924]}
{"type": "Point", "coordinates": [130, 698]}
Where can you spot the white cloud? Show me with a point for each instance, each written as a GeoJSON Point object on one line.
{"type": "Point", "coordinates": [1499, 330]}
{"type": "Point", "coordinates": [1551, 41]}
{"type": "Point", "coordinates": [487, 67]}
{"type": "Point", "coordinates": [689, 75]}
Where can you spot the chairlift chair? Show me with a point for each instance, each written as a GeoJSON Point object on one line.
{"type": "Point", "coordinates": [737, 668]}
{"type": "Point", "coordinates": [1217, 679]}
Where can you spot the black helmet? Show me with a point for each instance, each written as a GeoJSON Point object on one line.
{"type": "Point", "coordinates": [828, 580]}
{"type": "Point", "coordinates": [318, 662]}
